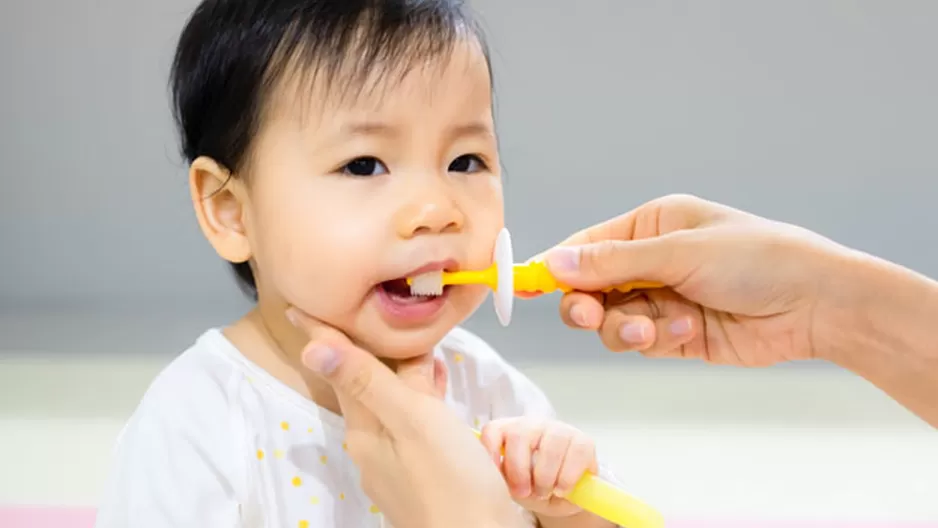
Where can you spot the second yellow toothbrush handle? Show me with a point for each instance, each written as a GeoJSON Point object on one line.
{"type": "Point", "coordinates": [602, 498]}
{"type": "Point", "coordinates": [535, 277]}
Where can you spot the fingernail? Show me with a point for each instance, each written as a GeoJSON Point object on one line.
{"type": "Point", "coordinates": [681, 327]}
{"type": "Point", "coordinates": [321, 359]}
{"type": "Point", "coordinates": [632, 333]}
{"type": "Point", "coordinates": [578, 316]}
{"type": "Point", "coordinates": [523, 493]}
{"type": "Point", "coordinates": [563, 259]}
{"type": "Point", "coordinates": [560, 492]}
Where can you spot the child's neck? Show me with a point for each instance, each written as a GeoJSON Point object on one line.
{"type": "Point", "coordinates": [268, 339]}
{"type": "Point", "coordinates": [271, 342]}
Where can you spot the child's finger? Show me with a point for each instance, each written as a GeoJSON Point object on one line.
{"type": "Point", "coordinates": [550, 454]}
{"type": "Point", "coordinates": [520, 442]}
{"type": "Point", "coordinates": [580, 457]}
{"type": "Point", "coordinates": [493, 439]}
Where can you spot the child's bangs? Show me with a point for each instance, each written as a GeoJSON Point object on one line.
{"type": "Point", "coordinates": [367, 53]}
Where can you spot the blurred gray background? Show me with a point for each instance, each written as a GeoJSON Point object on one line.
{"type": "Point", "coordinates": [822, 113]}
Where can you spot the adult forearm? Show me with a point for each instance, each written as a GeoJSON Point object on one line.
{"type": "Point", "coordinates": [880, 322]}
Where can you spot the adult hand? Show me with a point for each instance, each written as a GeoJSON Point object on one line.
{"type": "Point", "coordinates": [421, 465]}
{"type": "Point", "coordinates": [747, 291]}
{"type": "Point", "coordinates": [740, 289]}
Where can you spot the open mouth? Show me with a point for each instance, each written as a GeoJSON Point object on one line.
{"type": "Point", "coordinates": [398, 291]}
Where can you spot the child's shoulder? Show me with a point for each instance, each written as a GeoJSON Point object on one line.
{"type": "Point", "coordinates": [180, 459]}
{"type": "Point", "coordinates": [196, 387]}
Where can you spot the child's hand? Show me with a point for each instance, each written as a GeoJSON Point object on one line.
{"type": "Point", "coordinates": [542, 461]}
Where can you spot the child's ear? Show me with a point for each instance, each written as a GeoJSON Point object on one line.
{"type": "Point", "coordinates": [219, 201]}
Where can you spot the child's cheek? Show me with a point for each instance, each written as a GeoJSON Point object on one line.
{"type": "Point", "coordinates": [324, 289]}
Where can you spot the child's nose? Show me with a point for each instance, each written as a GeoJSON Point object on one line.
{"type": "Point", "coordinates": [429, 217]}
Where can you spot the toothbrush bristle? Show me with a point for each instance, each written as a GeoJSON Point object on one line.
{"type": "Point", "coordinates": [428, 284]}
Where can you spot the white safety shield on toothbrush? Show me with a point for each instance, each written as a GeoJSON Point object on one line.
{"type": "Point", "coordinates": [504, 295]}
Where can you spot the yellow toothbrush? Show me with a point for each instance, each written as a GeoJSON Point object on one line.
{"type": "Point", "coordinates": [505, 278]}
{"type": "Point", "coordinates": [602, 498]}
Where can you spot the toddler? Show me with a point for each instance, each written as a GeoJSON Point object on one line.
{"type": "Point", "coordinates": [335, 147]}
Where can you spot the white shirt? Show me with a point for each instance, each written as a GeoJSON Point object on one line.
{"type": "Point", "coordinates": [218, 442]}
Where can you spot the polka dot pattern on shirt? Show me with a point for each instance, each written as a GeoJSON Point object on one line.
{"type": "Point", "coordinates": [297, 481]}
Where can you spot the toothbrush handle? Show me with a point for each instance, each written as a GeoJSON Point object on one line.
{"type": "Point", "coordinates": [622, 288]}
{"type": "Point", "coordinates": [535, 277]}
{"type": "Point", "coordinates": [602, 498]}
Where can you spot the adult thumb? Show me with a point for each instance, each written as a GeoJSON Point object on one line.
{"type": "Point", "coordinates": [369, 393]}
{"type": "Point", "coordinates": [667, 259]}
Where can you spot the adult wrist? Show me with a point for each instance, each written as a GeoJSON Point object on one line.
{"type": "Point", "coordinates": [880, 326]}
{"type": "Point", "coordinates": [845, 297]}
{"type": "Point", "coordinates": [872, 307]}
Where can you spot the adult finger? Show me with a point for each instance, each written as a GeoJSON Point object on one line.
{"type": "Point", "coordinates": [371, 396]}
{"type": "Point", "coordinates": [587, 310]}
{"type": "Point", "coordinates": [312, 328]}
{"type": "Point", "coordinates": [653, 218]}
{"type": "Point", "coordinates": [670, 259]}
{"type": "Point", "coordinates": [326, 350]}
{"type": "Point", "coordinates": [649, 321]}
{"type": "Point", "coordinates": [622, 331]}
{"type": "Point", "coordinates": [582, 310]}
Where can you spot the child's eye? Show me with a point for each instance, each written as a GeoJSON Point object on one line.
{"type": "Point", "coordinates": [467, 163]}
{"type": "Point", "coordinates": [365, 166]}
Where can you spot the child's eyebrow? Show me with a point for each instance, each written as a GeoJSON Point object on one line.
{"type": "Point", "coordinates": [367, 128]}
{"type": "Point", "coordinates": [476, 128]}
{"type": "Point", "coordinates": [378, 128]}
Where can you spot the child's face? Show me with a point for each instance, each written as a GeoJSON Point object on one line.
{"type": "Point", "coordinates": [347, 196]}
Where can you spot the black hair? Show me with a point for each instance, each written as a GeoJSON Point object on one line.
{"type": "Point", "coordinates": [233, 53]}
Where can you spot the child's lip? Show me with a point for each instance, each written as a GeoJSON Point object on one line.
{"type": "Point", "coordinates": [439, 265]}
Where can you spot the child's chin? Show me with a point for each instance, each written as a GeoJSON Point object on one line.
{"type": "Point", "coordinates": [403, 344]}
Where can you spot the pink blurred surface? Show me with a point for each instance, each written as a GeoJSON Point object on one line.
{"type": "Point", "coordinates": [16, 517]}
{"type": "Point", "coordinates": [13, 517]}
